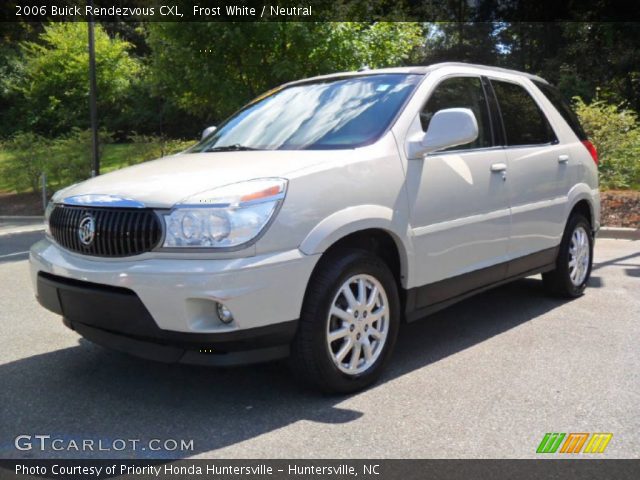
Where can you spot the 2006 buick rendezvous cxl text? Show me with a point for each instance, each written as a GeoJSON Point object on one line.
{"type": "Point", "coordinates": [321, 216]}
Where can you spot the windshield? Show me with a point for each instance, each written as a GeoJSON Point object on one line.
{"type": "Point", "coordinates": [338, 113]}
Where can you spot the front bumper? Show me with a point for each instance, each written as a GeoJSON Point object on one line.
{"type": "Point", "coordinates": [165, 308]}
{"type": "Point", "coordinates": [116, 318]}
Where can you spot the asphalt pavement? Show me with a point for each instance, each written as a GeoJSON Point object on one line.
{"type": "Point", "coordinates": [486, 378]}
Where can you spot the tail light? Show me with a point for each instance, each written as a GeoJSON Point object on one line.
{"type": "Point", "coordinates": [592, 150]}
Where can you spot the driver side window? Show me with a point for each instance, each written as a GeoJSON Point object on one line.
{"type": "Point", "coordinates": [461, 92]}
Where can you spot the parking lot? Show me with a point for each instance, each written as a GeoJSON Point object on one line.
{"type": "Point", "coordinates": [486, 378]}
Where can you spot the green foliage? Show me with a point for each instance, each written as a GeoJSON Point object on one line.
{"type": "Point", "coordinates": [350, 45]}
{"type": "Point", "coordinates": [69, 160]}
{"type": "Point", "coordinates": [23, 168]}
{"type": "Point", "coordinates": [170, 79]}
{"type": "Point", "coordinates": [604, 55]}
{"type": "Point", "coordinates": [66, 160]}
{"type": "Point", "coordinates": [148, 147]}
{"type": "Point", "coordinates": [463, 42]}
{"type": "Point", "coordinates": [211, 69]}
{"type": "Point", "coordinates": [616, 134]}
{"type": "Point", "coordinates": [54, 79]}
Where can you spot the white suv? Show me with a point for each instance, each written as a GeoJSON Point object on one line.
{"type": "Point", "coordinates": [322, 215]}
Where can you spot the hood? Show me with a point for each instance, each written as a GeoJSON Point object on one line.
{"type": "Point", "coordinates": [169, 180]}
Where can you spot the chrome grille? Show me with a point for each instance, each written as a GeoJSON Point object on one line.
{"type": "Point", "coordinates": [117, 232]}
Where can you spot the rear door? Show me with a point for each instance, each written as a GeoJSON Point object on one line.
{"type": "Point", "coordinates": [539, 174]}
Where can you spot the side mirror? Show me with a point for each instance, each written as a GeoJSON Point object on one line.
{"type": "Point", "coordinates": [448, 128]}
{"type": "Point", "coordinates": [208, 131]}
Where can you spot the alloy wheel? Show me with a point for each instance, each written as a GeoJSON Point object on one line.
{"type": "Point", "coordinates": [358, 324]}
{"type": "Point", "coordinates": [579, 253]}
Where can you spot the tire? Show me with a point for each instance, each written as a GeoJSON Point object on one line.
{"type": "Point", "coordinates": [577, 246]}
{"type": "Point", "coordinates": [329, 366]}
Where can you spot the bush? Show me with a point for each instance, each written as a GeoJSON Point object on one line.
{"type": "Point", "coordinates": [65, 160]}
{"type": "Point", "coordinates": [69, 160]}
{"type": "Point", "coordinates": [616, 134]}
{"type": "Point", "coordinates": [26, 161]}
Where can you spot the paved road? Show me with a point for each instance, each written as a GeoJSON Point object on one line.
{"type": "Point", "coordinates": [486, 378]}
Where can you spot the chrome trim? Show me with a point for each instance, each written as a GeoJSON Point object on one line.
{"type": "Point", "coordinates": [70, 226]}
{"type": "Point", "coordinates": [101, 200]}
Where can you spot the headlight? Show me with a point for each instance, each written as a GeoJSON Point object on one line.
{"type": "Point", "coordinates": [47, 215]}
{"type": "Point", "coordinates": [224, 217]}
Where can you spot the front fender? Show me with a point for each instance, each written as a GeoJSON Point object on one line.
{"type": "Point", "coordinates": [353, 219]}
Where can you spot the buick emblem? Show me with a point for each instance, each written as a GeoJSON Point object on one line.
{"type": "Point", "coordinates": [87, 229]}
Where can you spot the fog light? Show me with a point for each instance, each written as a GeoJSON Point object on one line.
{"type": "Point", "coordinates": [224, 314]}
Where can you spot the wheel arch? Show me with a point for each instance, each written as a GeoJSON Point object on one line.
{"type": "Point", "coordinates": [582, 199]}
{"type": "Point", "coordinates": [583, 207]}
{"type": "Point", "coordinates": [369, 227]}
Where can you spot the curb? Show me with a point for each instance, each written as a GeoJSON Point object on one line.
{"type": "Point", "coordinates": [20, 218]}
{"type": "Point", "coordinates": [619, 233]}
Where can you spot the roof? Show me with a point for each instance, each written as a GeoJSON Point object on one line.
{"type": "Point", "coordinates": [485, 68]}
{"type": "Point", "coordinates": [421, 70]}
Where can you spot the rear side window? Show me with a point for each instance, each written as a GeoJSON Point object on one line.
{"type": "Point", "coordinates": [563, 108]}
{"type": "Point", "coordinates": [524, 122]}
{"type": "Point", "coordinates": [461, 92]}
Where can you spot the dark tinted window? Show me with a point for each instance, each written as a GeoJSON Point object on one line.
{"type": "Point", "coordinates": [563, 108]}
{"type": "Point", "coordinates": [524, 122]}
{"type": "Point", "coordinates": [461, 92]}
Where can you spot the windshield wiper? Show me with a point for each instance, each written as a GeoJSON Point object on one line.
{"type": "Point", "coordinates": [230, 148]}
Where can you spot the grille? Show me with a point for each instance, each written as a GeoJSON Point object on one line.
{"type": "Point", "coordinates": [118, 232]}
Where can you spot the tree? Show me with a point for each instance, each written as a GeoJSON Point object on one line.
{"type": "Point", "coordinates": [10, 70]}
{"type": "Point", "coordinates": [211, 69]}
{"type": "Point", "coordinates": [54, 79]}
{"type": "Point", "coordinates": [461, 42]}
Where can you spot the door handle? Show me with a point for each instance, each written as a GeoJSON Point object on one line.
{"type": "Point", "coordinates": [563, 158]}
{"type": "Point", "coordinates": [498, 167]}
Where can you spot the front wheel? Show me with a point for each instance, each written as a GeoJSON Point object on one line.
{"type": "Point", "coordinates": [349, 323]}
{"type": "Point", "coordinates": [574, 262]}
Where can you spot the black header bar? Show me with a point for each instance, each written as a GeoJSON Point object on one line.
{"type": "Point", "coordinates": [321, 10]}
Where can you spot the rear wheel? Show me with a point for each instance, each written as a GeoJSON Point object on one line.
{"type": "Point", "coordinates": [349, 323]}
{"type": "Point", "coordinates": [574, 262]}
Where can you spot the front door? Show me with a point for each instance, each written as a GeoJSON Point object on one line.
{"type": "Point", "coordinates": [458, 198]}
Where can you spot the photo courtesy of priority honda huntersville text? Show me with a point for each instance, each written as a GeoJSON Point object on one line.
{"type": "Point", "coordinates": [321, 216]}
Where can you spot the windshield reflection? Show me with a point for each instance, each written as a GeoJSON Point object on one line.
{"type": "Point", "coordinates": [340, 113]}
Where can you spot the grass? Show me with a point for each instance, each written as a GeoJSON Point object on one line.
{"type": "Point", "coordinates": [114, 156]}
{"type": "Point", "coordinates": [118, 155]}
